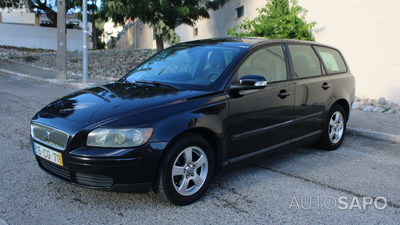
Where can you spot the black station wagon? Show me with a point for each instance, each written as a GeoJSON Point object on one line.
{"type": "Point", "coordinates": [193, 110]}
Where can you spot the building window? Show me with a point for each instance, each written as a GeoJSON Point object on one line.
{"type": "Point", "coordinates": [240, 12]}
{"type": "Point", "coordinates": [195, 31]}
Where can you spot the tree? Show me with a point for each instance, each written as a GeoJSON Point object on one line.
{"type": "Point", "coordinates": [277, 20]}
{"type": "Point", "coordinates": [50, 8]}
{"type": "Point", "coordinates": [12, 3]}
{"type": "Point", "coordinates": [93, 14]}
{"type": "Point", "coordinates": [161, 15]}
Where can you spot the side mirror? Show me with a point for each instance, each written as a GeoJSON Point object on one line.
{"type": "Point", "coordinates": [249, 82]}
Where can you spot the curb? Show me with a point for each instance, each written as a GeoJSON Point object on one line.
{"type": "Point", "coordinates": [374, 135]}
{"type": "Point", "coordinates": [108, 79]}
{"type": "Point", "coordinates": [74, 74]}
{"type": "Point", "coordinates": [67, 83]}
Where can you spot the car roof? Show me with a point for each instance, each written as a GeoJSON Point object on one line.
{"type": "Point", "coordinates": [244, 42]}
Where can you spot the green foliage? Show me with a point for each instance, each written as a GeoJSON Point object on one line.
{"type": "Point", "coordinates": [15, 57]}
{"type": "Point", "coordinates": [30, 58]}
{"type": "Point", "coordinates": [99, 33]}
{"type": "Point", "coordinates": [95, 16]}
{"type": "Point", "coordinates": [164, 31]}
{"type": "Point", "coordinates": [162, 15]}
{"type": "Point", "coordinates": [92, 9]}
{"type": "Point", "coordinates": [277, 20]}
{"type": "Point", "coordinates": [73, 60]}
{"type": "Point", "coordinates": [27, 58]}
{"type": "Point", "coordinates": [10, 4]}
{"type": "Point", "coordinates": [50, 8]}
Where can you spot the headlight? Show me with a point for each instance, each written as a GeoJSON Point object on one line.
{"type": "Point", "coordinates": [118, 138]}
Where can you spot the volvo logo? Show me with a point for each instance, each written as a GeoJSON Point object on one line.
{"type": "Point", "coordinates": [47, 135]}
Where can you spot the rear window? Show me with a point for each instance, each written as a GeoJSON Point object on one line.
{"type": "Point", "coordinates": [305, 61]}
{"type": "Point", "coordinates": [332, 60]}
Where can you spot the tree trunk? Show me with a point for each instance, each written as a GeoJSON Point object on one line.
{"type": "Point", "coordinates": [94, 35]}
{"type": "Point", "coordinates": [159, 43]}
{"type": "Point", "coordinates": [52, 17]}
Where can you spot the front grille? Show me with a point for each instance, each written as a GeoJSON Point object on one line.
{"type": "Point", "coordinates": [51, 136]}
{"type": "Point", "coordinates": [91, 180]}
{"type": "Point", "coordinates": [94, 180]}
{"type": "Point", "coordinates": [56, 170]}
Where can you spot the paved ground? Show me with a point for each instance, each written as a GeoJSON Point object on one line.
{"type": "Point", "coordinates": [278, 189]}
{"type": "Point", "coordinates": [377, 122]}
{"type": "Point", "coordinates": [378, 126]}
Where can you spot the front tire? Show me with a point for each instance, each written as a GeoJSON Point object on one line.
{"type": "Point", "coordinates": [186, 170]}
{"type": "Point", "coordinates": [334, 129]}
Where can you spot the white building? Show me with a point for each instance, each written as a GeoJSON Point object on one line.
{"type": "Point", "coordinates": [366, 31]}
{"type": "Point", "coordinates": [20, 18]}
{"type": "Point", "coordinates": [136, 35]}
{"type": "Point", "coordinates": [230, 15]}
{"type": "Point", "coordinates": [110, 32]}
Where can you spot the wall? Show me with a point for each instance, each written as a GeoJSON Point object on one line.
{"type": "Point", "coordinates": [226, 18]}
{"type": "Point", "coordinates": [21, 18]}
{"type": "Point", "coordinates": [69, 18]}
{"type": "Point", "coordinates": [367, 32]}
{"type": "Point", "coordinates": [143, 34]}
{"type": "Point", "coordinates": [110, 30]}
{"type": "Point", "coordinates": [220, 21]}
{"type": "Point", "coordinates": [38, 37]}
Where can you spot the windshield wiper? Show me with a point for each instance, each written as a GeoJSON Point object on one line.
{"type": "Point", "coordinates": [156, 83]}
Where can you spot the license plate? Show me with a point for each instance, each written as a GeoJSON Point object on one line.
{"type": "Point", "coordinates": [48, 154]}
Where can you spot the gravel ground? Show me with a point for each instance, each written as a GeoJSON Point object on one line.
{"type": "Point", "coordinates": [263, 192]}
{"type": "Point", "coordinates": [102, 63]}
{"type": "Point", "coordinates": [380, 105]}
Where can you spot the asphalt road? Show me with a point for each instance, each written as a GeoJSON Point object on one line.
{"type": "Point", "coordinates": [359, 183]}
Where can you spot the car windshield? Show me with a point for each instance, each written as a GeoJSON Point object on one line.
{"type": "Point", "coordinates": [186, 67]}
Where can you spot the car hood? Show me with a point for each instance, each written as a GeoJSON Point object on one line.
{"type": "Point", "coordinates": [98, 103]}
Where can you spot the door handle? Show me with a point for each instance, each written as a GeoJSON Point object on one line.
{"type": "Point", "coordinates": [283, 94]}
{"type": "Point", "coordinates": [325, 86]}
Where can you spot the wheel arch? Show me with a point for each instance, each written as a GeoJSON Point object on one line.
{"type": "Point", "coordinates": [345, 105]}
{"type": "Point", "coordinates": [211, 138]}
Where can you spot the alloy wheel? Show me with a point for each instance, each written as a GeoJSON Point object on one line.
{"type": "Point", "coordinates": [189, 171]}
{"type": "Point", "coordinates": [336, 127]}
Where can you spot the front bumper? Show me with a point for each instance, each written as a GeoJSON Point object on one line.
{"type": "Point", "coordinates": [118, 170]}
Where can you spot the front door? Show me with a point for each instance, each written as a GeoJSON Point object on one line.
{"type": "Point", "coordinates": [261, 120]}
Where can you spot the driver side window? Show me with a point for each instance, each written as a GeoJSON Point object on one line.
{"type": "Point", "coordinates": [268, 62]}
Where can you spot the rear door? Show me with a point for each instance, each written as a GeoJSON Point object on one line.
{"type": "Point", "coordinates": [261, 120]}
{"type": "Point", "coordinates": [313, 91]}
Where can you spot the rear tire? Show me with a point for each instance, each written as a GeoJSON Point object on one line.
{"type": "Point", "coordinates": [186, 170]}
{"type": "Point", "coordinates": [334, 128]}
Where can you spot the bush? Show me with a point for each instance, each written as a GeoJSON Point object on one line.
{"type": "Point", "coordinates": [277, 20]}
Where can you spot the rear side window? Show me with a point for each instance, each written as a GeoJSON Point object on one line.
{"type": "Point", "coordinates": [305, 61]}
{"type": "Point", "coordinates": [332, 60]}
